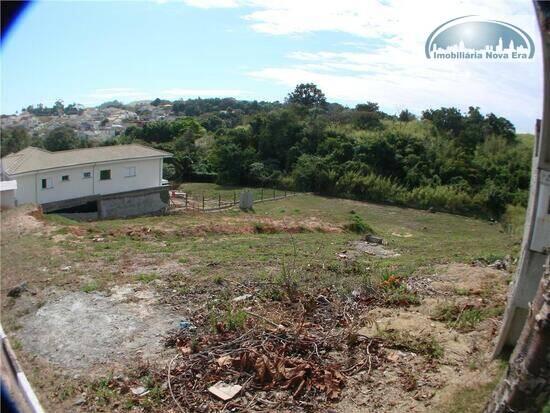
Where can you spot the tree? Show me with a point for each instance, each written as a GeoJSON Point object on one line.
{"type": "Point", "coordinates": [406, 116]}
{"type": "Point", "coordinates": [307, 94]}
{"type": "Point", "coordinates": [61, 138]}
{"type": "Point", "coordinates": [367, 116]}
{"type": "Point", "coordinates": [13, 140]}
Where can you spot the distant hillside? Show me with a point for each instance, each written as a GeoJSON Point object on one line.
{"type": "Point", "coordinates": [469, 163]}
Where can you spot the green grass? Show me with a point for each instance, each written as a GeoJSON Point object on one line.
{"type": "Point", "coordinates": [147, 278]}
{"type": "Point", "coordinates": [214, 193]}
{"type": "Point", "coordinates": [464, 318]}
{"type": "Point", "coordinates": [226, 258]}
{"type": "Point", "coordinates": [90, 287]}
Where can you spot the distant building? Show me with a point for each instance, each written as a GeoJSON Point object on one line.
{"type": "Point", "coordinates": [108, 181]}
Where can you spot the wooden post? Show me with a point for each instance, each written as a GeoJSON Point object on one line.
{"type": "Point", "coordinates": [203, 201]}
{"type": "Point", "coordinates": [234, 198]}
{"type": "Point", "coordinates": [273, 192]}
{"type": "Point", "coordinates": [262, 194]}
{"type": "Point", "coordinates": [219, 200]}
{"type": "Point", "coordinates": [186, 195]}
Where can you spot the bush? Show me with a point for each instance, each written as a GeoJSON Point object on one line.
{"type": "Point", "coordinates": [358, 225]}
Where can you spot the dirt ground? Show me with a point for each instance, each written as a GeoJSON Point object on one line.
{"type": "Point", "coordinates": [85, 331]}
{"type": "Point", "coordinates": [422, 356]}
{"type": "Point", "coordinates": [412, 383]}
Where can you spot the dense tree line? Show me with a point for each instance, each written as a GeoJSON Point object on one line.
{"type": "Point", "coordinates": [446, 160]}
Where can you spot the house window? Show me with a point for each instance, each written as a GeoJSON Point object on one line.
{"type": "Point", "coordinates": [130, 171]}
{"type": "Point", "coordinates": [47, 183]}
{"type": "Point", "coordinates": [86, 175]}
{"type": "Point", "coordinates": [65, 178]}
{"type": "Point", "coordinates": [104, 174]}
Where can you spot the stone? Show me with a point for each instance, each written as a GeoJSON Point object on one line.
{"type": "Point", "coordinates": [374, 239]}
{"type": "Point", "coordinates": [19, 289]}
{"type": "Point", "coordinates": [139, 391]}
{"type": "Point", "coordinates": [242, 297]}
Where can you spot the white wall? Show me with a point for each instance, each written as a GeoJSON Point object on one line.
{"type": "Point", "coordinates": [148, 175]}
{"type": "Point", "coordinates": [75, 187]}
{"type": "Point", "coordinates": [25, 192]}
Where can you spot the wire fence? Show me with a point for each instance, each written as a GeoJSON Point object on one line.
{"type": "Point", "coordinates": [208, 202]}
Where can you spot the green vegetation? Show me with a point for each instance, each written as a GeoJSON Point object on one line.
{"type": "Point", "coordinates": [466, 163]}
{"type": "Point", "coordinates": [358, 225]}
{"type": "Point", "coordinates": [90, 287]}
{"type": "Point", "coordinates": [464, 318]}
{"type": "Point", "coordinates": [147, 278]}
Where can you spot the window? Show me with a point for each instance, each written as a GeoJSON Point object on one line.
{"type": "Point", "coordinates": [65, 178]}
{"type": "Point", "coordinates": [130, 171]}
{"type": "Point", "coordinates": [86, 175]}
{"type": "Point", "coordinates": [104, 174]}
{"type": "Point", "coordinates": [47, 183]}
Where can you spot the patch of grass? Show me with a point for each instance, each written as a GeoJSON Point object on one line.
{"type": "Point", "coordinates": [90, 287]}
{"type": "Point", "coordinates": [183, 260]}
{"type": "Point", "coordinates": [147, 277]}
{"type": "Point", "coordinates": [16, 343]}
{"type": "Point", "coordinates": [59, 220]}
{"type": "Point", "coordinates": [461, 291]}
{"type": "Point", "coordinates": [231, 319]}
{"type": "Point", "coordinates": [102, 390]}
{"type": "Point", "coordinates": [400, 296]}
{"type": "Point", "coordinates": [464, 318]}
{"type": "Point", "coordinates": [403, 340]}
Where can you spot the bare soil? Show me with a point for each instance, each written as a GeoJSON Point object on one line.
{"type": "Point", "coordinates": [82, 331]}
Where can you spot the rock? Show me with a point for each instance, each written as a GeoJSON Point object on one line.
{"type": "Point", "coordinates": [224, 391]}
{"type": "Point", "coordinates": [242, 297]}
{"type": "Point", "coordinates": [374, 239]}
{"type": "Point", "coordinates": [79, 401]}
{"type": "Point", "coordinates": [66, 268]}
{"type": "Point", "coordinates": [18, 290]}
{"type": "Point", "coordinates": [499, 265]}
{"type": "Point", "coordinates": [139, 391]}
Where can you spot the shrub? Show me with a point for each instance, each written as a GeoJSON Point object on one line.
{"type": "Point", "coordinates": [358, 225]}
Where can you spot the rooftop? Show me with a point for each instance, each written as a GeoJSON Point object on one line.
{"type": "Point", "coordinates": [33, 159]}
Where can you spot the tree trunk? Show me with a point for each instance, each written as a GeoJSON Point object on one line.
{"type": "Point", "coordinates": [526, 384]}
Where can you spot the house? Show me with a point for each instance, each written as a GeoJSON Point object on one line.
{"type": "Point", "coordinates": [110, 181]}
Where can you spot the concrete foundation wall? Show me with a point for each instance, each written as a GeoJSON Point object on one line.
{"type": "Point", "coordinates": [7, 199]}
{"type": "Point", "coordinates": [133, 204]}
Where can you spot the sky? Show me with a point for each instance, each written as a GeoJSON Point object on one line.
{"type": "Point", "coordinates": [90, 52]}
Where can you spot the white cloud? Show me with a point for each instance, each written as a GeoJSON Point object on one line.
{"type": "Point", "coordinates": [211, 4]}
{"type": "Point", "coordinates": [395, 72]}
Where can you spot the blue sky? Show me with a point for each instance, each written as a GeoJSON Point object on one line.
{"type": "Point", "coordinates": [355, 50]}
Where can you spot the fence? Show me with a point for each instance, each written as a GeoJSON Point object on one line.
{"type": "Point", "coordinates": [200, 202]}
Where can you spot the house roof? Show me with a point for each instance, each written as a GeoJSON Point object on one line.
{"type": "Point", "coordinates": [33, 159]}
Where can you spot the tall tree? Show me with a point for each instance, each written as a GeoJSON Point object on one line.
{"type": "Point", "coordinates": [61, 138]}
{"type": "Point", "coordinates": [307, 94]}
